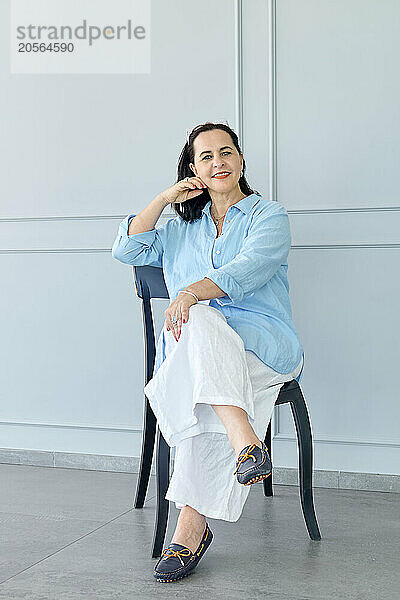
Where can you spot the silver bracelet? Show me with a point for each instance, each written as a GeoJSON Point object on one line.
{"type": "Point", "coordinates": [187, 292]}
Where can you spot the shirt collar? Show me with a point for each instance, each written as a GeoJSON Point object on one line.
{"type": "Point", "coordinates": [245, 204]}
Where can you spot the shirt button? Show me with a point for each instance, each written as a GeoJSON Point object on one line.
{"type": "Point", "coordinates": [228, 221]}
{"type": "Point", "coordinates": [217, 251]}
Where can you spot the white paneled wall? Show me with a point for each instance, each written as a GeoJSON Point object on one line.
{"type": "Point", "coordinates": [79, 152]}
{"type": "Point", "coordinates": [338, 150]}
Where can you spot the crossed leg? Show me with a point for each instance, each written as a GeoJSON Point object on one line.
{"type": "Point", "coordinates": [191, 524]}
{"type": "Point", "coordinates": [238, 428]}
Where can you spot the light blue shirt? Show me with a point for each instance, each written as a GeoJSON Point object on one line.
{"type": "Point", "coordinates": [248, 261]}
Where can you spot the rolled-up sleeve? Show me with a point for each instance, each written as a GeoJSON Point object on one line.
{"type": "Point", "coordinates": [264, 250]}
{"type": "Point", "coordinates": [138, 249]}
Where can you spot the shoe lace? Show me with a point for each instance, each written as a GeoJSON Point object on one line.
{"type": "Point", "coordinates": [169, 553]}
{"type": "Point", "coordinates": [244, 456]}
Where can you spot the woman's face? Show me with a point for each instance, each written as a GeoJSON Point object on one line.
{"type": "Point", "coordinates": [214, 151]}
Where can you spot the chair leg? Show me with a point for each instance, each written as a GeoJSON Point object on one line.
{"type": "Point", "coordinates": [148, 438]}
{"type": "Point", "coordinates": [162, 468]}
{"type": "Point", "coordinates": [304, 439]}
{"type": "Point", "coordinates": [267, 483]}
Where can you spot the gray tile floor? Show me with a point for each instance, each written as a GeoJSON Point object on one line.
{"type": "Point", "coordinates": [73, 534]}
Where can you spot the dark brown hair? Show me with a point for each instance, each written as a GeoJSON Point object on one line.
{"type": "Point", "coordinates": [191, 209]}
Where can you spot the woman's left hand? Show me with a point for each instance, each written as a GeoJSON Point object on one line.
{"type": "Point", "coordinates": [179, 308]}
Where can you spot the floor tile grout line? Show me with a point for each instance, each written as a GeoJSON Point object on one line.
{"type": "Point", "coordinates": [70, 544]}
{"type": "Point", "coordinates": [34, 516]}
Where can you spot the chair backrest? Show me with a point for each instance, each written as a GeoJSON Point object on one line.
{"type": "Point", "coordinates": [150, 282]}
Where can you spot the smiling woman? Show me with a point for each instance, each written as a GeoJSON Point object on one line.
{"type": "Point", "coordinates": [213, 148]}
{"type": "Point", "coordinates": [219, 366]}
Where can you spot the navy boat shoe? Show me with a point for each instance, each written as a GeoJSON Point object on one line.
{"type": "Point", "coordinates": [178, 561]}
{"type": "Point", "coordinates": [253, 464]}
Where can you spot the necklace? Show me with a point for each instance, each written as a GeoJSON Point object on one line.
{"type": "Point", "coordinates": [216, 221]}
{"type": "Point", "coordinates": [219, 218]}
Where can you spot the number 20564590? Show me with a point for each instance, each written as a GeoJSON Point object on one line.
{"type": "Point", "coordinates": [43, 47]}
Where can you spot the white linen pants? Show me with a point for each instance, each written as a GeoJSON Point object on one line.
{"type": "Point", "coordinates": [209, 365]}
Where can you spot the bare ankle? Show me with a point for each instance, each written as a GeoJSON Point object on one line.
{"type": "Point", "coordinates": [190, 528]}
{"type": "Point", "coordinates": [241, 443]}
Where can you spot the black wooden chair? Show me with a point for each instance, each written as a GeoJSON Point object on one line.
{"type": "Point", "coordinates": [150, 283]}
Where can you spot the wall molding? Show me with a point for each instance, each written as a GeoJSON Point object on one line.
{"type": "Point", "coordinates": [343, 210]}
{"type": "Point", "coordinates": [343, 246]}
{"type": "Point", "coordinates": [55, 251]}
{"type": "Point", "coordinates": [108, 250]}
{"type": "Point", "coordinates": [279, 436]}
{"type": "Point", "coordinates": [75, 426]}
{"type": "Point", "coordinates": [60, 218]}
{"type": "Point", "coordinates": [239, 120]}
{"type": "Point", "coordinates": [272, 102]}
{"type": "Point", "coordinates": [302, 211]}
{"type": "Point", "coordinates": [338, 439]}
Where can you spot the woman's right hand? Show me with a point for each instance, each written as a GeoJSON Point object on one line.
{"type": "Point", "coordinates": [184, 190]}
